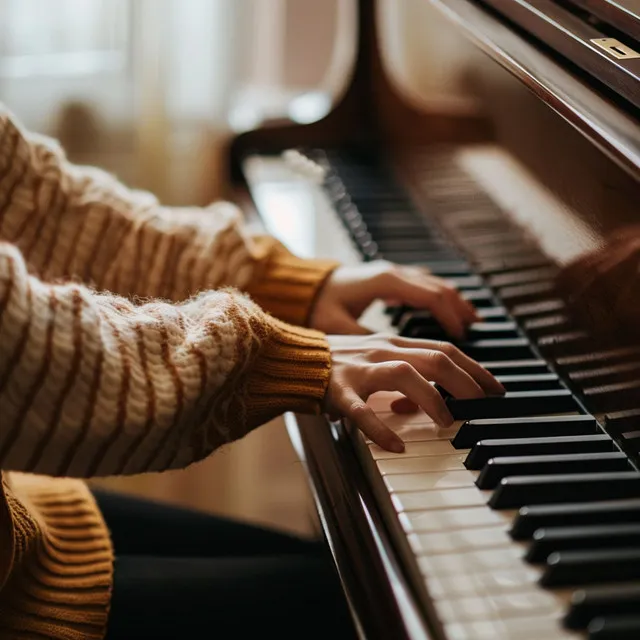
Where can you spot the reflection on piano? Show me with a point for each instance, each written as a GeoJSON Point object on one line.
{"type": "Point", "coordinates": [522, 521]}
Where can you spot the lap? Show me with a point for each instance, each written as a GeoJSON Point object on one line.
{"type": "Point", "coordinates": [184, 574]}
{"type": "Point", "coordinates": [146, 527]}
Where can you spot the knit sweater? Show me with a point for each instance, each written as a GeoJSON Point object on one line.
{"type": "Point", "coordinates": [133, 338]}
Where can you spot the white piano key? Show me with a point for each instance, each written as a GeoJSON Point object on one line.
{"type": "Point", "coordinates": [417, 450]}
{"type": "Point", "coordinates": [456, 541]}
{"type": "Point", "coordinates": [446, 499]}
{"type": "Point", "coordinates": [483, 561]}
{"type": "Point", "coordinates": [430, 481]}
{"type": "Point", "coordinates": [417, 427]}
{"type": "Point", "coordinates": [428, 464]}
{"type": "Point", "coordinates": [453, 519]}
{"type": "Point", "coordinates": [531, 603]}
{"type": "Point", "coordinates": [381, 401]}
{"type": "Point", "coordinates": [481, 584]}
{"type": "Point", "coordinates": [514, 629]}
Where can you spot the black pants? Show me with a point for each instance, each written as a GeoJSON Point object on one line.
{"type": "Point", "coordinates": [182, 574]}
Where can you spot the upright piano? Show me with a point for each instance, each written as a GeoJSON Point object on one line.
{"type": "Point", "coordinates": [522, 521]}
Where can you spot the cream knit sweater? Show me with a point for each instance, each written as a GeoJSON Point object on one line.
{"type": "Point", "coordinates": [125, 347]}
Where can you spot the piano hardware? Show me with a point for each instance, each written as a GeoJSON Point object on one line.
{"type": "Point", "coordinates": [522, 520]}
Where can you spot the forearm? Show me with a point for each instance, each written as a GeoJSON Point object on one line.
{"type": "Point", "coordinates": [74, 222]}
{"type": "Point", "coordinates": [95, 385]}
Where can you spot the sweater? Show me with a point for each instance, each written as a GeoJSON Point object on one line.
{"type": "Point", "coordinates": [134, 338]}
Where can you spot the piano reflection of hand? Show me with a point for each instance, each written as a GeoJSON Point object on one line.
{"type": "Point", "coordinates": [603, 286]}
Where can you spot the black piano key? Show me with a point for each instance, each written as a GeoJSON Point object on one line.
{"type": "Point", "coordinates": [518, 491]}
{"type": "Point", "coordinates": [538, 309]}
{"type": "Point", "coordinates": [516, 367]}
{"type": "Point", "coordinates": [474, 332]}
{"type": "Point", "coordinates": [568, 568]}
{"type": "Point", "coordinates": [417, 258]}
{"type": "Point", "coordinates": [485, 450]}
{"type": "Point", "coordinates": [544, 325]}
{"type": "Point", "coordinates": [614, 627]}
{"type": "Point", "coordinates": [466, 282]}
{"type": "Point", "coordinates": [525, 293]}
{"type": "Point", "coordinates": [446, 268]}
{"type": "Point", "coordinates": [599, 376]}
{"type": "Point", "coordinates": [564, 463]}
{"type": "Point", "coordinates": [492, 314]}
{"type": "Point", "coordinates": [602, 357]}
{"type": "Point", "coordinates": [610, 397]}
{"type": "Point", "coordinates": [472, 431]}
{"type": "Point", "coordinates": [534, 517]}
{"type": "Point", "coordinates": [421, 323]}
{"type": "Point", "coordinates": [511, 263]}
{"type": "Point", "coordinates": [480, 298]}
{"type": "Point", "coordinates": [618, 422]}
{"type": "Point", "coordinates": [531, 382]}
{"type": "Point", "coordinates": [522, 276]}
{"type": "Point", "coordinates": [609, 536]}
{"type": "Point", "coordinates": [567, 343]}
{"type": "Point", "coordinates": [410, 243]}
{"type": "Point", "coordinates": [594, 602]}
{"type": "Point", "coordinates": [514, 403]}
{"type": "Point", "coordinates": [497, 349]}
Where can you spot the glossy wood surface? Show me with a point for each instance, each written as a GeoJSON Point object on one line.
{"type": "Point", "coordinates": [622, 14]}
{"type": "Point", "coordinates": [543, 134]}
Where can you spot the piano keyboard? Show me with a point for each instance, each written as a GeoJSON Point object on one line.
{"type": "Point", "coordinates": [522, 520]}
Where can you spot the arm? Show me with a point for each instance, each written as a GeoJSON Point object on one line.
{"type": "Point", "coordinates": [79, 222]}
{"type": "Point", "coordinates": [93, 384]}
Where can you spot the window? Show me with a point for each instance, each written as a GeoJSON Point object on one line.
{"type": "Point", "coordinates": [63, 37]}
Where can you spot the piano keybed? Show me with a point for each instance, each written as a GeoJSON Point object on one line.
{"type": "Point", "coordinates": [521, 521]}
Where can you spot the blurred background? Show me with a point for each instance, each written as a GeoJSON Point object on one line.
{"type": "Point", "coordinates": [153, 90]}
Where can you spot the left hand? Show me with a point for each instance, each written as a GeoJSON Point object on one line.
{"type": "Point", "coordinates": [351, 289]}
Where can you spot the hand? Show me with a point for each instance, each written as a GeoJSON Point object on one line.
{"type": "Point", "coordinates": [602, 286]}
{"type": "Point", "coordinates": [365, 365]}
{"type": "Point", "coordinates": [350, 290]}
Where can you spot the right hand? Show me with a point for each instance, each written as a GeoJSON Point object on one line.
{"type": "Point", "coordinates": [363, 365]}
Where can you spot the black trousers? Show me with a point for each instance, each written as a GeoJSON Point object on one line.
{"type": "Point", "coordinates": [182, 574]}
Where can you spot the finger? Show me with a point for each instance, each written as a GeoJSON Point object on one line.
{"type": "Point", "coordinates": [482, 376]}
{"type": "Point", "coordinates": [401, 376]}
{"type": "Point", "coordinates": [404, 405]}
{"type": "Point", "coordinates": [357, 410]}
{"type": "Point", "coordinates": [468, 311]}
{"type": "Point", "coordinates": [446, 305]}
{"type": "Point", "coordinates": [437, 367]}
{"type": "Point", "coordinates": [433, 294]}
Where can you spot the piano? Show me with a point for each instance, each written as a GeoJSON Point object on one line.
{"type": "Point", "coordinates": [522, 521]}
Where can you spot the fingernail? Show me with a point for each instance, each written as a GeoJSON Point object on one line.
{"type": "Point", "coordinates": [397, 446]}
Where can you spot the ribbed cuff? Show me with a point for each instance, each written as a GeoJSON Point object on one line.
{"type": "Point", "coordinates": [291, 373]}
{"type": "Point", "coordinates": [287, 286]}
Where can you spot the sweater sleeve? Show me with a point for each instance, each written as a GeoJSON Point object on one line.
{"type": "Point", "coordinates": [92, 384]}
{"type": "Point", "coordinates": [80, 222]}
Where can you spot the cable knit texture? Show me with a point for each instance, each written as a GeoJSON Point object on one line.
{"type": "Point", "coordinates": [133, 338]}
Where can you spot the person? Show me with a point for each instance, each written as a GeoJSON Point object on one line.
{"type": "Point", "coordinates": [138, 338]}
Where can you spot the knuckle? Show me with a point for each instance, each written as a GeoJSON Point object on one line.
{"type": "Point", "coordinates": [400, 368]}
{"type": "Point", "coordinates": [358, 409]}
{"type": "Point", "coordinates": [440, 360]}
{"type": "Point", "coordinates": [447, 349]}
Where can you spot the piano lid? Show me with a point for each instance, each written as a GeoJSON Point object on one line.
{"type": "Point", "coordinates": [596, 36]}
{"type": "Point", "coordinates": [621, 14]}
